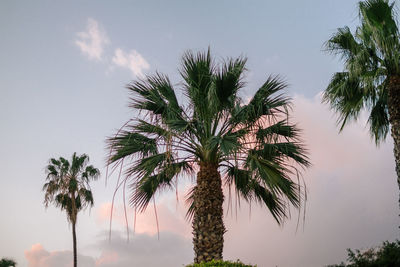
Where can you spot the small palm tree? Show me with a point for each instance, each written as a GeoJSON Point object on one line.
{"type": "Point", "coordinates": [371, 76]}
{"type": "Point", "coordinates": [250, 147]}
{"type": "Point", "coordinates": [4, 262]}
{"type": "Point", "coordinates": [67, 186]}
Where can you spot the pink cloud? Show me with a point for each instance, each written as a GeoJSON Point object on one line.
{"type": "Point", "coordinates": [170, 250]}
{"type": "Point", "coordinates": [107, 257]}
{"type": "Point", "coordinates": [170, 214]}
{"type": "Point", "coordinates": [320, 132]}
{"type": "Point", "coordinates": [37, 256]}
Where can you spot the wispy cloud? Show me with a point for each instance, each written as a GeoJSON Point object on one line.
{"type": "Point", "coordinates": [133, 61]}
{"type": "Point", "coordinates": [92, 41]}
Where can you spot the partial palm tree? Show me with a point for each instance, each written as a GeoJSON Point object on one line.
{"type": "Point", "coordinates": [4, 262]}
{"type": "Point", "coordinates": [67, 187]}
{"type": "Point", "coordinates": [250, 147]}
{"type": "Point", "coordinates": [371, 77]}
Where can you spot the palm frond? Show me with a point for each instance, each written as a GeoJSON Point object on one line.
{"type": "Point", "coordinates": [266, 102]}
{"type": "Point", "coordinates": [228, 81]}
{"type": "Point", "coordinates": [146, 166]}
{"type": "Point", "coordinates": [228, 143]}
{"type": "Point", "coordinates": [190, 203]}
{"type": "Point", "coordinates": [129, 143]}
{"type": "Point", "coordinates": [251, 189]}
{"type": "Point", "coordinates": [343, 44]}
{"type": "Point", "coordinates": [90, 173]}
{"type": "Point", "coordinates": [156, 95]}
{"type": "Point", "coordinates": [197, 72]}
{"type": "Point", "coordinates": [86, 196]}
{"type": "Point", "coordinates": [198, 75]}
{"type": "Point", "coordinates": [345, 96]}
{"type": "Point", "coordinates": [379, 118]}
{"type": "Point", "coordinates": [277, 130]}
{"type": "Point", "coordinates": [145, 187]}
{"type": "Point", "coordinates": [156, 130]}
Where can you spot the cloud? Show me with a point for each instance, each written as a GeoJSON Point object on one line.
{"type": "Point", "coordinates": [92, 41]}
{"type": "Point", "coordinates": [37, 256]}
{"type": "Point", "coordinates": [171, 218]}
{"type": "Point", "coordinates": [133, 61]}
{"type": "Point", "coordinates": [170, 250]}
{"type": "Point", "coordinates": [107, 257]}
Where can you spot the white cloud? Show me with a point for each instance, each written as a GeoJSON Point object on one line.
{"type": "Point", "coordinates": [92, 41]}
{"type": "Point", "coordinates": [171, 218]}
{"type": "Point", "coordinates": [133, 61]}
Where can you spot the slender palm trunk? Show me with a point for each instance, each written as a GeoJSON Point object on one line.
{"type": "Point", "coordinates": [74, 244]}
{"type": "Point", "coordinates": [73, 222]}
{"type": "Point", "coordinates": [394, 118]}
{"type": "Point", "coordinates": [208, 225]}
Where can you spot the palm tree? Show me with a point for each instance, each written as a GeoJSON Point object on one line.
{"type": "Point", "coordinates": [4, 262]}
{"type": "Point", "coordinates": [371, 77]}
{"type": "Point", "coordinates": [250, 147]}
{"type": "Point", "coordinates": [67, 186]}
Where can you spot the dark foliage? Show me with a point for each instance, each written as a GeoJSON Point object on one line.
{"type": "Point", "coordinates": [387, 255]}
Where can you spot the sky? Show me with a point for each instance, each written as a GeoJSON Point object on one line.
{"type": "Point", "coordinates": [63, 71]}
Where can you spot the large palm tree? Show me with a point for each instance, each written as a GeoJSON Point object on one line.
{"type": "Point", "coordinates": [248, 146]}
{"type": "Point", "coordinates": [67, 186]}
{"type": "Point", "coordinates": [371, 77]}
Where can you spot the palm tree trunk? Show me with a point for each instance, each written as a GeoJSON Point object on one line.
{"type": "Point", "coordinates": [74, 244]}
{"type": "Point", "coordinates": [208, 225]}
{"type": "Point", "coordinates": [394, 119]}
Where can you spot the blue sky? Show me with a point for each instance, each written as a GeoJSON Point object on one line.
{"type": "Point", "coordinates": [63, 68]}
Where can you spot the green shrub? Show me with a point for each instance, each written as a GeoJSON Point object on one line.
{"type": "Point", "coordinates": [214, 263]}
{"type": "Point", "coordinates": [388, 255]}
{"type": "Point", "coordinates": [5, 262]}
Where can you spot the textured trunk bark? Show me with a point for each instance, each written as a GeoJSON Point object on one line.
{"type": "Point", "coordinates": [394, 119]}
{"type": "Point", "coordinates": [208, 225]}
{"type": "Point", "coordinates": [74, 244]}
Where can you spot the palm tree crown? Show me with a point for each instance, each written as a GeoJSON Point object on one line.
{"type": "Point", "coordinates": [68, 186]}
{"type": "Point", "coordinates": [371, 77]}
{"type": "Point", "coordinates": [252, 145]}
{"type": "Point", "coordinates": [371, 57]}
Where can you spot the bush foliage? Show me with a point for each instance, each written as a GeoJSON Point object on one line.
{"type": "Point", "coordinates": [5, 262]}
{"type": "Point", "coordinates": [214, 263]}
{"type": "Point", "coordinates": [388, 255]}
